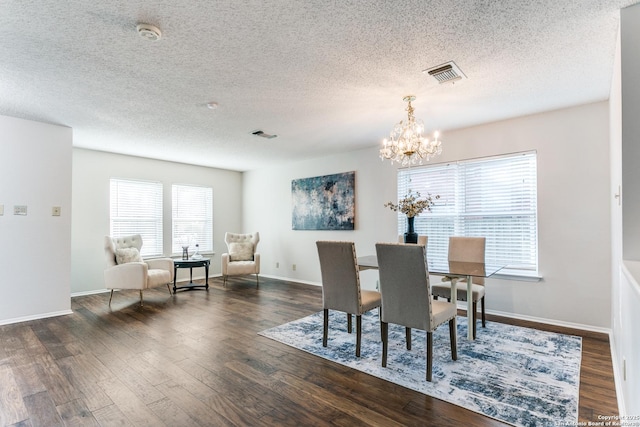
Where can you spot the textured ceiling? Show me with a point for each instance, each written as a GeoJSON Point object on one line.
{"type": "Point", "coordinates": [325, 76]}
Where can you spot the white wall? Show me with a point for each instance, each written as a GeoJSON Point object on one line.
{"type": "Point", "coordinates": [91, 173]}
{"type": "Point", "coordinates": [573, 215]}
{"type": "Point", "coordinates": [35, 260]}
{"type": "Point", "coordinates": [267, 201]}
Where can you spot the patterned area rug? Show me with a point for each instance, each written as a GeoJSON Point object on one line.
{"type": "Point", "coordinates": [520, 376]}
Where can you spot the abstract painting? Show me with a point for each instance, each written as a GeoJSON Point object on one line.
{"type": "Point", "coordinates": [324, 202]}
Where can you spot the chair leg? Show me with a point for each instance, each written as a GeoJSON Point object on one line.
{"type": "Point", "coordinates": [325, 327]}
{"type": "Point", "coordinates": [453, 339]}
{"type": "Point", "coordinates": [484, 321]}
{"type": "Point", "coordinates": [384, 331]}
{"type": "Point", "coordinates": [475, 318]}
{"type": "Point", "coordinates": [407, 332]}
{"type": "Point", "coordinates": [429, 355]}
{"type": "Point", "coordinates": [349, 324]}
{"type": "Point", "coordinates": [110, 297]}
{"type": "Point", "coordinates": [257, 281]}
{"type": "Point", "coordinates": [141, 301]}
{"type": "Point", "coordinates": [224, 281]}
{"type": "Point", "coordinates": [358, 334]}
{"type": "Point", "coordinates": [169, 287]}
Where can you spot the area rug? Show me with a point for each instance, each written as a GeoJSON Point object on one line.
{"type": "Point", "coordinates": [521, 376]}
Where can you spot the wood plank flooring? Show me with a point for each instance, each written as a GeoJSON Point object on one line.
{"type": "Point", "coordinates": [195, 359]}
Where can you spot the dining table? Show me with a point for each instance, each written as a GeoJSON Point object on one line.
{"type": "Point", "coordinates": [455, 270]}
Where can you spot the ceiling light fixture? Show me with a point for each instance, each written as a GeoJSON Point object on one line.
{"type": "Point", "coordinates": [212, 105]}
{"type": "Point", "coordinates": [149, 32]}
{"type": "Point", "coordinates": [407, 145]}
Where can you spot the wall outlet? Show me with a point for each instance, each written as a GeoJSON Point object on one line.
{"type": "Point", "coordinates": [20, 210]}
{"type": "Point", "coordinates": [55, 211]}
{"type": "Point", "coordinates": [1, 209]}
{"type": "Point", "coordinates": [294, 267]}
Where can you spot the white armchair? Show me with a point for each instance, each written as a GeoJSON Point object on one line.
{"type": "Point", "coordinates": [241, 258]}
{"type": "Point", "coordinates": [126, 269]}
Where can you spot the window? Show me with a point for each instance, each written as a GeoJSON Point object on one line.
{"type": "Point", "coordinates": [136, 208]}
{"type": "Point", "coordinates": [192, 218]}
{"type": "Point", "coordinates": [493, 197]}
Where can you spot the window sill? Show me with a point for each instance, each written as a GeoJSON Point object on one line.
{"type": "Point", "coordinates": [512, 275]}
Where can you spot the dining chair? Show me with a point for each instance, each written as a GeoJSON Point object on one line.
{"type": "Point", "coordinates": [341, 287]}
{"type": "Point", "coordinates": [406, 298]}
{"type": "Point", "coordinates": [465, 249]}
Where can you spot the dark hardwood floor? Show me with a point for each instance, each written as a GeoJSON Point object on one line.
{"type": "Point", "coordinates": [196, 359]}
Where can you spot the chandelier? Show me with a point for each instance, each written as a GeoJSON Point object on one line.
{"type": "Point", "coordinates": [407, 145]}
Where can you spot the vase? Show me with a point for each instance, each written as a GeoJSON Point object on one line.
{"type": "Point", "coordinates": [410, 236]}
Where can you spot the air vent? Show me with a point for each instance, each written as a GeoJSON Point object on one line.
{"type": "Point", "coordinates": [446, 73]}
{"type": "Point", "coordinates": [263, 135]}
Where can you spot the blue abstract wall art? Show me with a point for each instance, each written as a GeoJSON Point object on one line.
{"type": "Point", "coordinates": [324, 202]}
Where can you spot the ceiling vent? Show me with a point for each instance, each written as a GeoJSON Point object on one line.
{"type": "Point", "coordinates": [446, 73]}
{"type": "Point", "coordinates": [263, 135]}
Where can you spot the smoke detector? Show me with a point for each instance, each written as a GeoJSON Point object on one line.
{"type": "Point", "coordinates": [149, 32]}
{"type": "Point", "coordinates": [445, 73]}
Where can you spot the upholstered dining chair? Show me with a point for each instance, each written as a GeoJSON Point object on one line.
{"type": "Point", "coordinates": [341, 287]}
{"type": "Point", "coordinates": [127, 270]}
{"type": "Point", "coordinates": [241, 257]}
{"type": "Point", "coordinates": [407, 301]}
{"type": "Point", "coordinates": [465, 249]}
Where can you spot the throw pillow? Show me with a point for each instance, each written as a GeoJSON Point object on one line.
{"type": "Point", "coordinates": [240, 251]}
{"type": "Point", "coordinates": [125, 255]}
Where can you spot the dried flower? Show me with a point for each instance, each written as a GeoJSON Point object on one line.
{"type": "Point", "coordinates": [411, 205]}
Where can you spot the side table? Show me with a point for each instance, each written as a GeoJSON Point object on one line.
{"type": "Point", "coordinates": [190, 264]}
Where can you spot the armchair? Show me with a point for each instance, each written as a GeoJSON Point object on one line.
{"type": "Point", "coordinates": [241, 258]}
{"type": "Point", "coordinates": [126, 269]}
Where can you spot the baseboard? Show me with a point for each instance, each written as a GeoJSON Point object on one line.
{"type": "Point", "coordinates": [101, 291]}
{"type": "Point", "coordinates": [289, 279]}
{"type": "Point", "coordinates": [35, 317]}
{"type": "Point", "coordinates": [590, 328]}
{"type": "Point", "coordinates": [93, 292]}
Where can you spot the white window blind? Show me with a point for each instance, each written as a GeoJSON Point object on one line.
{"type": "Point", "coordinates": [493, 197]}
{"type": "Point", "coordinates": [136, 208]}
{"type": "Point", "coordinates": [192, 218]}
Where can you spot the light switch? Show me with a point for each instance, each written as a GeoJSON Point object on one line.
{"type": "Point", "coordinates": [55, 211]}
{"type": "Point", "coordinates": [1, 209]}
{"type": "Point", "coordinates": [20, 210]}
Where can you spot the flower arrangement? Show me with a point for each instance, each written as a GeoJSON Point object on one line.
{"type": "Point", "coordinates": [411, 205]}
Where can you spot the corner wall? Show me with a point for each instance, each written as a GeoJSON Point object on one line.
{"type": "Point", "coordinates": [573, 215]}
{"type": "Point", "coordinates": [35, 260]}
{"type": "Point", "coordinates": [92, 171]}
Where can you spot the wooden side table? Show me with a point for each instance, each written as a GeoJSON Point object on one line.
{"type": "Point", "coordinates": [191, 264]}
